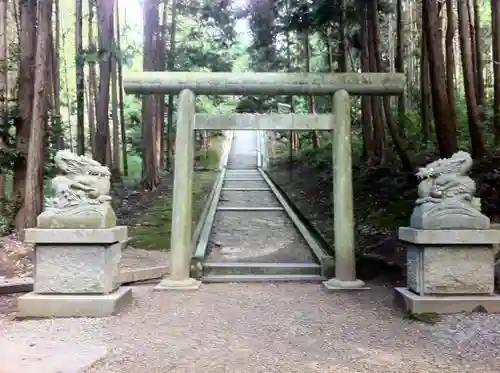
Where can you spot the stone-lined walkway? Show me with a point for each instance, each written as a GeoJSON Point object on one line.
{"type": "Point", "coordinates": [250, 235]}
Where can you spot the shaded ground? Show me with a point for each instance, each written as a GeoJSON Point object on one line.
{"type": "Point", "coordinates": [148, 215]}
{"type": "Point", "coordinates": [16, 257]}
{"type": "Point", "coordinates": [384, 198]}
{"type": "Point", "coordinates": [268, 328]}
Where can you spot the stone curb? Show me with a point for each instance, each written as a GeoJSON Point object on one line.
{"type": "Point", "coordinates": [25, 285]}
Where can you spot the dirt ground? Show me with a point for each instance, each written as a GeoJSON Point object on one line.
{"type": "Point", "coordinates": [383, 201]}
{"type": "Point", "coordinates": [16, 257]}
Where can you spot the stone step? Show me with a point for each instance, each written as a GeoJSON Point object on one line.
{"type": "Point", "coordinates": [256, 236]}
{"type": "Point", "coordinates": [16, 285]}
{"type": "Point", "coordinates": [230, 178]}
{"type": "Point", "coordinates": [232, 166]}
{"type": "Point", "coordinates": [262, 278]}
{"type": "Point", "coordinates": [243, 189]}
{"type": "Point", "coordinates": [244, 171]}
{"type": "Point", "coordinates": [243, 177]}
{"type": "Point", "coordinates": [244, 184]}
{"type": "Point", "coordinates": [248, 199]}
{"type": "Point", "coordinates": [248, 208]}
{"type": "Point", "coordinates": [274, 269]}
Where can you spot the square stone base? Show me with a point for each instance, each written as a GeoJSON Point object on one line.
{"type": "Point", "coordinates": [450, 261]}
{"type": "Point", "coordinates": [34, 305]}
{"type": "Point", "coordinates": [440, 304]}
{"type": "Point", "coordinates": [450, 269]}
{"type": "Point", "coordinates": [77, 268]}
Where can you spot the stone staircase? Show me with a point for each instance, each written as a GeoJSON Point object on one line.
{"type": "Point", "coordinates": [253, 237]}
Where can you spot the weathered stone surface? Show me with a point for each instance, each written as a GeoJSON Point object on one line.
{"type": "Point", "coordinates": [444, 217]}
{"type": "Point", "coordinates": [76, 236]}
{"type": "Point", "coordinates": [48, 356]}
{"type": "Point", "coordinates": [73, 305]}
{"type": "Point", "coordinates": [79, 217]}
{"type": "Point", "coordinates": [231, 183]}
{"type": "Point", "coordinates": [80, 195]}
{"type": "Point", "coordinates": [449, 236]}
{"type": "Point", "coordinates": [248, 199]}
{"type": "Point", "coordinates": [256, 236]}
{"type": "Point", "coordinates": [446, 196]}
{"type": "Point", "coordinates": [421, 304]}
{"type": "Point", "coordinates": [497, 273]}
{"type": "Point", "coordinates": [263, 83]}
{"type": "Point", "coordinates": [77, 269]}
{"type": "Point", "coordinates": [274, 122]}
{"type": "Point", "coordinates": [450, 269]}
{"type": "Point", "coordinates": [180, 241]}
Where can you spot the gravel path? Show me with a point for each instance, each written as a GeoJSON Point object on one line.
{"type": "Point", "coordinates": [253, 328]}
{"type": "Point", "coordinates": [279, 328]}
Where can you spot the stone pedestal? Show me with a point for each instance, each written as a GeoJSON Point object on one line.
{"type": "Point", "coordinates": [449, 270]}
{"type": "Point", "coordinates": [76, 273]}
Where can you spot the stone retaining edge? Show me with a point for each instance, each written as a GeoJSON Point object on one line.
{"type": "Point", "coordinates": [313, 238]}
{"type": "Point", "coordinates": [25, 285]}
{"type": "Point", "coordinates": [208, 200]}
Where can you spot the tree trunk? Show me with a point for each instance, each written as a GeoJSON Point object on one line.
{"type": "Point", "coordinates": [56, 63]}
{"type": "Point", "coordinates": [68, 100]}
{"type": "Point", "coordinates": [33, 197]}
{"type": "Point", "coordinates": [495, 31]}
{"type": "Point", "coordinates": [105, 15]}
{"type": "Point", "coordinates": [472, 34]}
{"type": "Point", "coordinates": [149, 160]}
{"type": "Point", "coordinates": [27, 40]}
{"type": "Point", "coordinates": [92, 79]}
{"type": "Point", "coordinates": [120, 96]}
{"type": "Point", "coordinates": [342, 43]}
{"type": "Point", "coordinates": [4, 89]}
{"type": "Point", "coordinates": [311, 107]}
{"type": "Point", "coordinates": [162, 66]}
{"type": "Point", "coordinates": [479, 56]}
{"type": "Point", "coordinates": [399, 144]}
{"type": "Point", "coordinates": [116, 123]}
{"type": "Point", "coordinates": [400, 65]}
{"type": "Point", "coordinates": [425, 92]}
{"type": "Point", "coordinates": [446, 131]}
{"type": "Point", "coordinates": [366, 102]}
{"type": "Point", "coordinates": [80, 80]}
{"type": "Point", "coordinates": [171, 67]}
{"type": "Point", "coordinates": [377, 109]}
{"type": "Point", "coordinates": [159, 98]}
{"type": "Point", "coordinates": [450, 59]}
{"type": "Point", "coordinates": [288, 42]}
{"type": "Point", "coordinates": [476, 134]}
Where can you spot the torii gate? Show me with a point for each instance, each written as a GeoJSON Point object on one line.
{"type": "Point", "coordinates": [188, 84]}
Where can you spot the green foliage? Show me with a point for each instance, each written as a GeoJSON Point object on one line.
{"type": "Point", "coordinates": [134, 169]}
{"type": "Point", "coordinates": [5, 225]}
{"type": "Point", "coordinates": [8, 212]}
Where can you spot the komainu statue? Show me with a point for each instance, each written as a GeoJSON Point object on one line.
{"type": "Point", "coordinates": [446, 196]}
{"type": "Point", "coordinates": [80, 195]}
